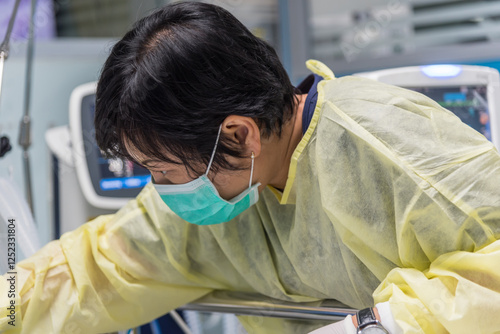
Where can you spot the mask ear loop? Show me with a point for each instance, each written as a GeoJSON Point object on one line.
{"type": "Point", "coordinates": [213, 152]}
{"type": "Point", "coordinates": [251, 171]}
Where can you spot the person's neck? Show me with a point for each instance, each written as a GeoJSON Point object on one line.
{"type": "Point", "coordinates": [284, 148]}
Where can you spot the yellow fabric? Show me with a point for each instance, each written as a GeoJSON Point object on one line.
{"type": "Point", "coordinates": [390, 193]}
{"type": "Point", "coordinates": [288, 195]}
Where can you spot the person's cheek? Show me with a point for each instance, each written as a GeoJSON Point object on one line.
{"type": "Point", "coordinates": [230, 187]}
{"type": "Point", "coordinates": [156, 177]}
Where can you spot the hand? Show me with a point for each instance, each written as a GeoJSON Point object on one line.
{"type": "Point", "coordinates": [342, 327]}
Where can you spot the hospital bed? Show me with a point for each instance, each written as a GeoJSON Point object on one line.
{"type": "Point", "coordinates": [256, 305]}
{"type": "Point", "coordinates": [261, 306]}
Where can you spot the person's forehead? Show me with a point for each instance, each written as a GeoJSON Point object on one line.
{"type": "Point", "coordinates": [144, 159]}
{"type": "Point", "coordinates": [133, 151]}
{"type": "Point", "coordinates": [137, 155]}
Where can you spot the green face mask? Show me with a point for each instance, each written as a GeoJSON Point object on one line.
{"type": "Point", "coordinates": [198, 202]}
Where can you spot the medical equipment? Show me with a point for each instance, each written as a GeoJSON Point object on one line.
{"type": "Point", "coordinates": [471, 92]}
{"type": "Point", "coordinates": [105, 183]}
{"type": "Point", "coordinates": [85, 184]}
{"type": "Point", "coordinates": [4, 47]}
{"type": "Point", "coordinates": [249, 304]}
{"type": "Point", "coordinates": [25, 125]}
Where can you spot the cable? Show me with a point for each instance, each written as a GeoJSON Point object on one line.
{"type": "Point", "coordinates": [4, 47]}
{"type": "Point", "coordinates": [4, 53]}
{"type": "Point", "coordinates": [177, 318]}
{"type": "Point", "coordinates": [155, 327]}
{"type": "Point", "coordinates": [3, 56]}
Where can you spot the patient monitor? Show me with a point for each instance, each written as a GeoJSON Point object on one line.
{"type": "Point", "coordinates": [471, 92]}
{"type": "Point", "coordinates": [105, 183]}
{"type": "Point", "coordinates": [85, 184]}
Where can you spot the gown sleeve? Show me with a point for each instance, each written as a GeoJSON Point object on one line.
{"type": "Point", "coordinates": [112, 273]}
{"type": "Point", "coordinates": [440, 181]}
{"type": "Point", "coordinates": [459, 291]}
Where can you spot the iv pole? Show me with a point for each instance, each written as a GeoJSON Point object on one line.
{"type": "Point", "coordinates": [24, 131]}
{"type": "Point", "coordinates": [4, 53]}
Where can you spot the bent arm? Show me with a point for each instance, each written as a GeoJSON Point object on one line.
{"type": "Point", "coordinates": [112, 273]}
{"type": "Point", "coordinates": [459, 293]}
{"type": "Point", "coordinates": [438, 181]}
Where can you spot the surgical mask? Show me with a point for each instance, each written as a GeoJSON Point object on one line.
{"type": "Point", "coordinates": [198, 202]}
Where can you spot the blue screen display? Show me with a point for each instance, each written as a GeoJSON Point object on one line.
{"type": "Point", "coordinates": [469, 103]}
{"type": "Point", "coordinates": [110, 177]}
{"type": "Point", "coordinates": [125, 182]}
{"type": "Point", "coordinates": [118, 174]}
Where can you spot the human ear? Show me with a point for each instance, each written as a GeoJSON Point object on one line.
{"type": "Point", "coordinates": [244, 132]}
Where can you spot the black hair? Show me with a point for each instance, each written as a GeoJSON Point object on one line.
{"type": "Point", "coordinates": [170, 82]}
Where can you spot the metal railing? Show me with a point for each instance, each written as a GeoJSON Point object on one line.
{"type": "Point", "coordinates": [260, 306]}
{"type": "Point", "coordinates": [275, 310]}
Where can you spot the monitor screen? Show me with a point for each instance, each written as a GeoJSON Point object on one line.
{"type": "Point", "coordinates": [110, 178]}
{"type": "Point", "coordinates": [469, 103]}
